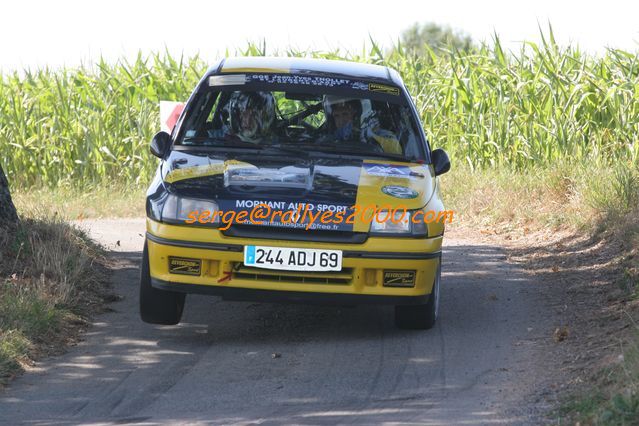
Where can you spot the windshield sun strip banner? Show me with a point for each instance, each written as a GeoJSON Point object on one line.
{"type": "Point", "coordinates": [302, 80]}
{"type": "Point", "coordinates": [255, 69]}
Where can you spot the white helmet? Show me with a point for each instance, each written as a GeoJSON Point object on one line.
{"type": "Point", "coordinates": [251, 114]}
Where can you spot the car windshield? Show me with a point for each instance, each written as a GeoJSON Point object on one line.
{"type": "Point", "coordinates": [294, 118]}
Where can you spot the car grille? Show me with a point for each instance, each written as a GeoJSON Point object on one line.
{"type": "Point", "coordinates": [343, 277]}
{"type": "Point", "coordinates": [281, 233]}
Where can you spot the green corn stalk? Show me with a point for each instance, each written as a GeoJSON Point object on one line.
{"type": "Point", "coordinates": [91, 125]}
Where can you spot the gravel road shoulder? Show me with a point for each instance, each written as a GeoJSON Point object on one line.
{"type": "Point", "coordinates": [487, 361]}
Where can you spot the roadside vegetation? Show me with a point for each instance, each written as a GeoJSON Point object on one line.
{"type": "Point", "coordinates": [546, 137]}
{"type": "Point", "coordinates": [52, 277]}
{"type": "Point", "coordinates": [486, 107]}
{"type": "Point", "coordinates": [77, 203]}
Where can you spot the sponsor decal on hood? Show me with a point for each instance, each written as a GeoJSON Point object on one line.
{"type": "Point", "coordinates": [291, 214]}
{"type": "Point", "coordinates": [286, 184]}
{"type": "Point", "coordinates": [288, 177]}
{"type": "Point", "coordinates": [202, 170]}
{"type": "Point", "coordinates": [391, 170]}
{"type": "Point", "coordinates": [399, 191]}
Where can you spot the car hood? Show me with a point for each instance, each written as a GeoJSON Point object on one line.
{"type": "Point", "coordinates": [240, 182]}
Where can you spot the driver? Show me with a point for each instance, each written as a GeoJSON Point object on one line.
{"type": "Point", "coordinates": [251, 115]}
{"type": "Point", "coordinates": [342, 115]}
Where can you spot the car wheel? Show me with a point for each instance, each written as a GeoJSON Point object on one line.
{"type": "Point", "coordinates": [158, 306]}
{"type": "Point", "coordinates": [421, 317]}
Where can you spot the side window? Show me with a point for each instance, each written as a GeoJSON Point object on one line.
{"type": "Point", "coordinates": [218, 116]}
{"type": "Point", "coordinates": [381, 123]}
{"type": "Point", "coordinates": [316, 120]}
{"type": "Point", "coordinates": [410, 134]}
{"type": "Point", "coordinates": [288, 108]}
{"type": "Point", "coordinates": [196, 123]}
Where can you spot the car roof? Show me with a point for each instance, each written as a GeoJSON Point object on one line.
{"type": "Point", "coordinates": [286, 65]}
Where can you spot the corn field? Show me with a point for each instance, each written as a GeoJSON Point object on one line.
{"type": "Point", "coordinates": [486, 107]}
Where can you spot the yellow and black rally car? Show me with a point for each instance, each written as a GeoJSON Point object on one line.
{"type": "Point", "coordinates": [295, 180]}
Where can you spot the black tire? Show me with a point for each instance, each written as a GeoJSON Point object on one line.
{"type": "Point", "coordinates": [158, 306]}
{"type": "Point", "coordinates": [421, 317]}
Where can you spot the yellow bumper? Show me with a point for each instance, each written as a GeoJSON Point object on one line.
{"type": "Point", "coordinates": [222, 266]}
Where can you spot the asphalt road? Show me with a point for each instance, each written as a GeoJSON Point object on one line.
{"type": "Point", "coordinates": [246, 363]}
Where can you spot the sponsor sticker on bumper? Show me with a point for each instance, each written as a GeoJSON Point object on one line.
{"type": "Point", "coordinates": [184, 266]}
{"type": "Point", "coordinates": [399, 278]}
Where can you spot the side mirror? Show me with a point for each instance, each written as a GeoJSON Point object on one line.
{"type": "Point", "coordinates": [441, 162]}
{"type": "Point", "coordinates": [160, 144]}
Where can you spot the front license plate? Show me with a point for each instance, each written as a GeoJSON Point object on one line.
{"type": "Point", "coordinates": [293, 259]}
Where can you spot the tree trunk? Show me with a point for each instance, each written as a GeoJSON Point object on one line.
{"type": "Point", "coordinates": [8, 215]}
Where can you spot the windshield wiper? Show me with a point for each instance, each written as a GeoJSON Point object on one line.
{"type": "Point", "coordinates": [219, 143]}
{"type": "Point", "coordinates": [283, 149]}
{"type": "Point", "coordinates": [369, 154]}
{"type": "Point", "coordinates": [256, 148]}
{"type": "Point", "coordinates": [391, 156]}
{"type": "Point", "coordinates": [300, 149]}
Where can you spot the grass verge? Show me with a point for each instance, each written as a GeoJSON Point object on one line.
{"type": "Point", "coordinates": [612, 397]}
{"type": "Point", "coordinates": [584, 197]}
{"type": "Point", "coordinates": [52, 277]}
{"type": "Point", "coordinates": [599, 206]}
{"type": "Point", "coordinates": [76, 203]}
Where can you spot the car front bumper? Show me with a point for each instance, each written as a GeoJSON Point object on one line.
{"type": "Point", "coordinates": [222, 272]}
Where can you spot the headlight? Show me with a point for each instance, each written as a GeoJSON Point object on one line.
{"type": "Point", "coordinates": [177, 209]}
{"type": "Point", "coordinates": [399, 222]}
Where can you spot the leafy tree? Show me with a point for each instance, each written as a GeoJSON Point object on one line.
{"type": "Point", "coordinates": [439, 38]}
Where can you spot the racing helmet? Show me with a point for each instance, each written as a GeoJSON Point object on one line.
{"type": "Point", "coordinates": [251, 114]}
